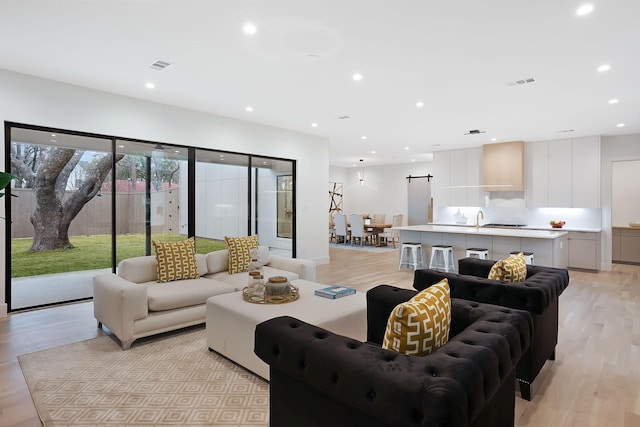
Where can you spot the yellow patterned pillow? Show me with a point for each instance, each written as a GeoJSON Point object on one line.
{"type": "Point", "coordinates": [176, 260]}
{"type": "Point", "coordinates": [511, 269]}
{"type": "Point", "coordinates": [420, 325]}
{"type": "Point", "coordinates": [240, 252]}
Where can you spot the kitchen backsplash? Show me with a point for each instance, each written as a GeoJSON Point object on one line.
{"type": "Point", "coordinates": [514, 211]}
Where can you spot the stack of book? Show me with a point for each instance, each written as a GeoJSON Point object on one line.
{"type": "Point", "coordinates": [334, 292]}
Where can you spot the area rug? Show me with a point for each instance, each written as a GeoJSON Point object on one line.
{"type": "Point", "coordinates": [168, 380]}
{"type": "Point", "coordinates": [367, 248]}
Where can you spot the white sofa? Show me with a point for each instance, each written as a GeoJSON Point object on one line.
{"type": "Point", "coordinates": [132, 304]}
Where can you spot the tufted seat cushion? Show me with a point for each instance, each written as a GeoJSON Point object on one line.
{"type": "Point", "coordinates": [319, 378]}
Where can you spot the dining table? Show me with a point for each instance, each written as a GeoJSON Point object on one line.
{"type": "Point", "coordinates": [376, 229]}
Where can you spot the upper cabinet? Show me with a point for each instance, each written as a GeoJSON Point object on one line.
{"type": "Point", "coordinates": [457, 178]}
{"type": "Point", "coordinates": [563, 173]}
{"type": "Point", "coordinates": [503, 166]}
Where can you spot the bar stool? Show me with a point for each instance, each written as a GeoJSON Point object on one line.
{"type": "Point", "coordinates": [446, 251]}
{"type": "Point", "coordinates": [481, 253]}
{"type": "Point", "coordinates": [411, 255]}
{"type": "Point", "coordinates": [528, 256]}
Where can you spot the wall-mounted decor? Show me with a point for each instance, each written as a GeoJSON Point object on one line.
{"type": "Point", "coordinates": [335, 197]}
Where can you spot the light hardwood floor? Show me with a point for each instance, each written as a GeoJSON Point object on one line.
{"type": "Point", "coordinates": [594, 381]}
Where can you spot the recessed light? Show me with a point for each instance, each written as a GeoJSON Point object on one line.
{"type": "Point", "coordinates": [357, 77]}
{"type": "Point", "coordinates": [604, 67]}
{"type": "Point", "coordinates": [314, 125]}
{"type": "Point", "coordinates": [585, 9]}
{"type": "Point", "coordinates": [406, 148]}
{"type": "Point", "coordinates": [494, 139]}
{"type": "Point", "coordinates": [373, 151]}
{"type": "Point", "coordinates": [150, 85]}
{"type": "Point", "coordinates": [249, 109]}
{"type": "Point", "coordinates": [613, 101]}
{"type": "Point", "coordinates": [249, 28]}
{"type": "Point", "coordinates": [620, 125]}
{"type": "Point", "coordinates": [176, 151]}
{"type": "Point", "coordinates": [120, 146]}
{"type": "Point", "coordinates": [53, 140]}
{"type": "Point", "coordinates": [419, 104]}
{"type": "Point", "coordinates": [413, 160]}
{"type": "Point", "coordinates": [364, 137]}
{"type": "Point", "coordinates": [53, 135]}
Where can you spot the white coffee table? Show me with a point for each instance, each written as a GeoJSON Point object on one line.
{"type": "Point", "coordinates": [231, 321]}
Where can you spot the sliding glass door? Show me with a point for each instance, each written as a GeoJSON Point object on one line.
{"type": "Point", "coordinates": [151, 190]}
{"type": "Point", "coordinates": [60, 216]}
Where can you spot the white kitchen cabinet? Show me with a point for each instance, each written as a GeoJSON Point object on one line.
{"type": "Point", "coordinates": [560, 158]}
{"type": "Point", "coordinates": [457, 178]}
{"type": "Point", "coordinates": [537, 174]}
{"type": "Point", "coordinates": [563, 173]}
{"type": "Point", "coordinates": [584, 250]}
{"type": "Point", "coordinates": [586, 173]}
{"type": "Point", "coordinates": [440, 187]}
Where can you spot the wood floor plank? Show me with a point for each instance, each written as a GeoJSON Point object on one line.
{"type": "Point", "coordinates": [594, 381]}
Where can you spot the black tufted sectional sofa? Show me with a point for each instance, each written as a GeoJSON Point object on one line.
{"type": "Point", "coordinates": [322, 379]}
{"type": "Point", "coordinates": [538, 295]}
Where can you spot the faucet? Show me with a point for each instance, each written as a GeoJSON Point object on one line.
{"type": "Point", "coordinates": [478, 216]}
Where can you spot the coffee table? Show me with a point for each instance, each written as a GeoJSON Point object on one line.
{"type": "Point", "coordinates": [231, 321]}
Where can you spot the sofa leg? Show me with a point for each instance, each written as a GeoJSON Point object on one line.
{"type": "Point", "coordinates": [99, 324]}
{"type": "Point", "coordinates": [126, 345]}
{"type": "Point", "coordinates": [525, 390]}
{"type": "Point", "coordinates": [553, 355]}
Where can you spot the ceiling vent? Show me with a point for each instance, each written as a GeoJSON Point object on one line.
{"type": "Point", "coordinates": [159, 65]}
{"type": "Point", "coordinates": [475, 132]}
{"type": "Point", "coordinates": [344, 117]}
{"type": "Point", "coordinates": [521, 82]}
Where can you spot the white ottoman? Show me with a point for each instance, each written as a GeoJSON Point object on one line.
{"type": "Point", "coordinates": [231, 321]}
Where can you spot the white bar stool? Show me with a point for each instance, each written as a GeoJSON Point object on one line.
{"type": "Point", "coordinates": [481, 253]}
{"type": "Point", "coordinates": [528, 256]}
{"type": "Point", "coordinates": [411, 255]}
{"type": "Point", "coordinates": [446, 252]}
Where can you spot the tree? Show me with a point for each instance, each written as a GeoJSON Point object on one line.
{"type": "Point", "coordinates": [47, 171]}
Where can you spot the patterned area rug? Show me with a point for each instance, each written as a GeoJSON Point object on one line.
{"type": "Point", "coordinates": [168, 380]}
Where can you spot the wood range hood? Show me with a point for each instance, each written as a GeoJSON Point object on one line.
{"type": "Point", "coordinates": [503, 166]}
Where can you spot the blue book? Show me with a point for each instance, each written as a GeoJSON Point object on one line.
{"type": "Point", "coordinates": [334, 292]}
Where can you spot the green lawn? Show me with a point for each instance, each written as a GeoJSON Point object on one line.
{"type": "Point", "coordinates": [89, 253]}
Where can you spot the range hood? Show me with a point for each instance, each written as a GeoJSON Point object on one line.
{"type": "Point", "coordinates": [503, 166]}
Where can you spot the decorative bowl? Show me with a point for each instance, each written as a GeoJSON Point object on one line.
{"type": "Point", "coordinates": [634, 224]}
{"type": "Point", "coordinates": [557, 224]}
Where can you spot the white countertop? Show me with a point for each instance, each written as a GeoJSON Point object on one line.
{"type": "Point", "coordinates": [488, 231]}
{"type": "Point", "coordinates": [531, 227]}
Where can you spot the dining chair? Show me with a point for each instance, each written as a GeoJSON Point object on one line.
{"type": "Point", "coordinates": [379, 218]}
{"type": "Point", "coordinates": [390, 233]}
{"type": "Point", "coordinates": [340, 221]}
{"type": "Point", "coordinates": [332, 228]}
{"type": "Point", "coordinates": [357, 228]}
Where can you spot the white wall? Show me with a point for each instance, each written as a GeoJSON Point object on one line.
{"type": "Point", "coordinates": [384, 190]}
{"type": "Point", "coordinates": [36, 101]}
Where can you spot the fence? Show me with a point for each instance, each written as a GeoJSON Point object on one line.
{"type": "Point", "coordinates": [95, 216]}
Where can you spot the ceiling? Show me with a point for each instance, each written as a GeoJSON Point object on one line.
{"type": "Point", "coordinates": [460, 58]}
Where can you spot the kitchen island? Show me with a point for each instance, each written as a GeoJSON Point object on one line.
{"type": "Point", "coordinates": [549, 247]}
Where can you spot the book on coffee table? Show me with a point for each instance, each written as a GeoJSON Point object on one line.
{"type": "Point", "coordinates": [334, 292]}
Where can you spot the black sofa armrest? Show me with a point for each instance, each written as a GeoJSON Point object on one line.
{"type": "Point", "coordinates": [450, 387]}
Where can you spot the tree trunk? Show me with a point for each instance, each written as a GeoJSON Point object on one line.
{"type": "Point", "coordinates": [52, 217]}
